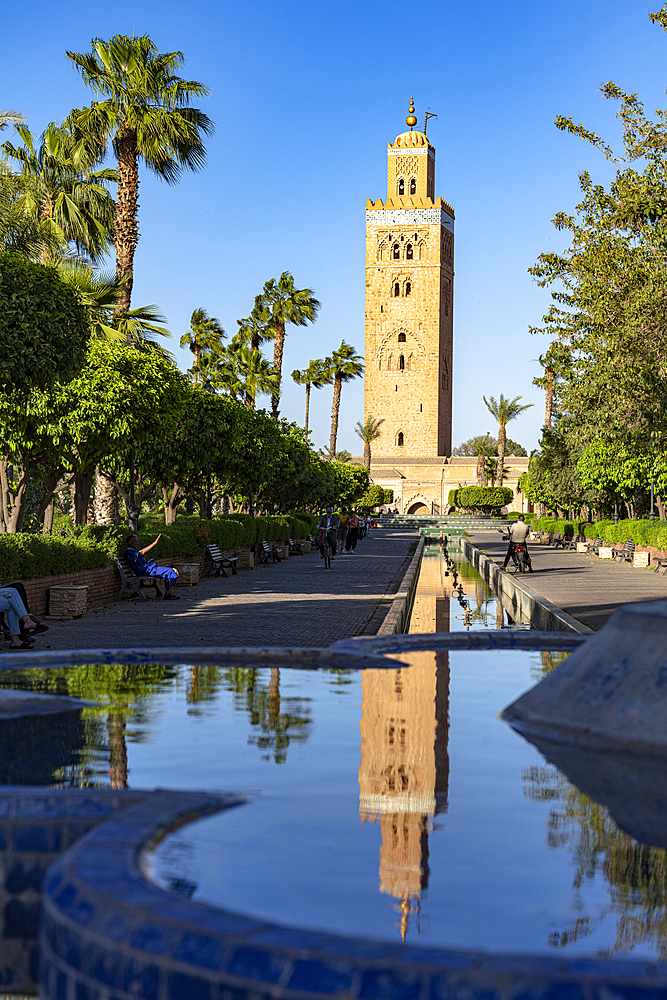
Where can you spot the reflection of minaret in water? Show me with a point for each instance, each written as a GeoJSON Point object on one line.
{"type": "Point", "coordinates": [404, 772]}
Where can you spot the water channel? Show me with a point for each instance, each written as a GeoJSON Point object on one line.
{"type": "Point", "coordinates": [385, 803]}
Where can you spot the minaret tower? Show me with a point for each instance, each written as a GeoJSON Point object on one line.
{"type": "Point", "coordinates": [409, 305]}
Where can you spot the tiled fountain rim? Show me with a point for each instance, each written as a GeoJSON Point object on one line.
{"type": "Point", "coordinates": [108, 931]}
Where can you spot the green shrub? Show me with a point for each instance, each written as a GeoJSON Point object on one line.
{"type": "Point", "coordinates": [452, 498]}
{"type": "Point", "coordinates": [484, 498]}
{"type": "Point", "coordinates": [27, 556]}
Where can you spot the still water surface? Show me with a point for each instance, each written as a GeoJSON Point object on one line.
{"type": "Point", "coordinates": [384, 803]}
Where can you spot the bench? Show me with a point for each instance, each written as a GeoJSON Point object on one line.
{"type": "Point", "coordinates": [294, 547]}
{"type": "Point", "coordinates": [594, 546]}
{"type": "Point", "coordinates": [269, 554]}
{"type": "Point", "coordinates": [562, 541]}
{"type": "Point", "coordinates": [130, 583]}
{"type": "Point", "coordinates": [626, 552]}
{"type": "Point", "coordinates": [571, 543]}
{"type": "Point", "coordinates": [660, 563]}
{"type": "Point", "coordinates": [217, 563]}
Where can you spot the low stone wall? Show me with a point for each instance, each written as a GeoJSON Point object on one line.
{"type": "Point", "coordinates": [522, 602]}
{"type": "Point", "coordinates": [102, 585]}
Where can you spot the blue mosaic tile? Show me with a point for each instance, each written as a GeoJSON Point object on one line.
{"type": "Point", "coordinates": [285, 937]}
{"type": "Point", "coordinates": [46, 807]}
{"type": "Point", "coordinates": [82, 912]}
{"type": "Point", "coordinates": [181, 987]}
{"type": "Point", "coordinates": [101, 964]}
{"type": "Point", "coordinates": [606, 969]}
{"type": "Point", "coordinates": [112, 924]}
{"type": "Point", "coordinates": [389, 984]}
{"type": "Point", "coordinates": [154, 938]}
{"type": "Point", "coordinates": [61, 986]}
{"type": "Point", "coordinates": [5, 805]}
{"type": "Point", "coordinates": [620, 991]}
{"type": "Point", "coordinates": [76, 805]}
{"type": "Point", "coordinates": [3, 839]}
{"type": "Point", "coordinates": [252, 963]}
{"type": "Point", "coordinates": [21, 919]}
{"type": "Point", "coordinates": [20, 876]}
{"type": "Point", "coordinates": [231, 993]}
{"type": "Point", "coordinates": [141, 979]}
{"type": "Point", "coordinates": [321, 977]}
{"type": "Point", "coordinates": [36, 837]}
{"type": "Point", "coordinates": [196, 949]}
{"type": "Point", "coordinates": [75, 831]}
{"type": "Point", "coordinates": [65, 897]}
{"type": "Point", "coordinates": [85, 992]}
{"type": "Point", "coordinates": [73, 950]}
{"type": "Point", "coordinates": [452, 987]}
{"type": "Point", "coordinates": [356, 948]}
{"type": "Point", "coordinates": [438, 957]}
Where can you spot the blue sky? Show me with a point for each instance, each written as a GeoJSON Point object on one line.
{"type": "Point", "coordinates": [305, 98]}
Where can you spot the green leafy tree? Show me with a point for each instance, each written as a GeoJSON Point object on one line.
{"type": "Point", "coordinates": [504, 410]}
{"type": "Point", "coordinates": [315, 376]}
{"type": "Point", "coordinates": [286, 306]}
{"type": "Point", "coordinates": [346, 365]}
{"type": "Point", "coordinates": [369, 431]}
{"type": "Point", "coordinates": [43, 327]}
{"type": "Point", "coordinates": [145, 113]}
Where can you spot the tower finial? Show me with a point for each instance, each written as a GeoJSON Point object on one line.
{"type": "Point", "coordinates": [411, 120]}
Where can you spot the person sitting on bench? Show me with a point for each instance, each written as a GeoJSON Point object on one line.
{"type": "Point", "coordinates": [142, 567]}
{"type": "Point", "coordinates": [18, 617]}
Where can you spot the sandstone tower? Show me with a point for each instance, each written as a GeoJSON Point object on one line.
{"type": "Point", "coordinates": [409, 305]}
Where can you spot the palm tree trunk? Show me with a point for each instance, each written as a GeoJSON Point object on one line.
{"type": "Point", "coordinates": [549, 400]}
{"type": "Point", "coordinates": [481, 478]}
{"type": "Point", "coordinates": [367, 455]}
{"type": "Point", "coordinates": [105, 499]}
{"type": "Point", "coordinates": [118, 769]}
{"type": "Point", "coordinates": [307, 406]}
{"type": "Point", "coordinates": [502, 438]}
{"type": "Point", "coordinates": [196, 359]}
{"type": "Point", "coordinates": [126, 229]}
{"type": "Point", "coordinates": [278, 346]}
{"type": "Point", "coordinates": [334, 418]}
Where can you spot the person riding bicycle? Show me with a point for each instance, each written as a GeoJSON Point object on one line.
{"type": "Point", "coordinates": [327, 526]}
{"type": "Point", "coordinates": [518, 533]}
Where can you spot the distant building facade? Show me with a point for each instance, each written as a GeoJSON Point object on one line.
{"type": "Point", "coordinates": [409, 334]}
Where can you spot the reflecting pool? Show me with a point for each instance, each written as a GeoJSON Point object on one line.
{"type": "Point", "coordinates": [385, 803]}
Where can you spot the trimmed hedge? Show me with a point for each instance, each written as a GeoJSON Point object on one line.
{"type": "Point", "coordinates": [642, 532]}
{"type": "Point", "coordinates": [28, 556]}
{"type": "Point", "coordinates": [485, 498]}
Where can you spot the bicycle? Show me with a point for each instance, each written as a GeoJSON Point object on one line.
{"type": "Point", "coordinates": [327, 547]}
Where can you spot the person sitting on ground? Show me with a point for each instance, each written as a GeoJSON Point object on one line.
{"type": "Point", "coordinates": [18, 617]}
{"type": "Point", "coordinates": [142, 567]}
{"type": "Point", "coordinates": [518, 533]}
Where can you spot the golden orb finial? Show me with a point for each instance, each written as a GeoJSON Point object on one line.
{"type": "Point", "coordinates": [411, 120]}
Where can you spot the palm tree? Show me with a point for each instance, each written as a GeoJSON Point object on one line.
{"type": "Point", "coordinates": [240, 371]}
{"type": "Point", "coordinates": [504, 410]}
{"type": "Point", "coordinates": [60, 188]}
{"type": "Point", "coordinates": [346, 364]}
{"type": "Point", "coordinates": [343, 456]}
{"type": "Point", "coordinates": [256, 328]}
{"type": "Point", "coordinates": [317, 374]}
{"type": "Point", "coordinates": [144, 114]}
{"type": "Point", "coordinates": [485, 447]}
{"type": "Point", "coordinates": [205, 334]}
{"type": "Point", "coordinates": [286, 305]}
{"type": "Point", "coordinates": [369, 431]}
{"type": "Point", "coordinates": [7, 116]}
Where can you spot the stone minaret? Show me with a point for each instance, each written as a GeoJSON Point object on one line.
{"type": "Point", "coordinates": [409, 305]}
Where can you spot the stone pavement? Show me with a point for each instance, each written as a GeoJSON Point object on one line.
{"type": "Point", "coordinates": [294, 603]}
{"type": "Point", "coordinates": [586, 587]}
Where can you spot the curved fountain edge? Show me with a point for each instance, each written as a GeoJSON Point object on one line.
{"type": "Point", "coordinates": [108, 932]}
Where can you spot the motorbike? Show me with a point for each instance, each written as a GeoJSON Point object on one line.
{"type": "Point", "coordinates": [520, 556]}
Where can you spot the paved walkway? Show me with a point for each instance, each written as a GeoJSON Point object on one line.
{"type": "Point", "coordinates": [294, 603]}
{"type": "Point", "coordinates": [586, 587]}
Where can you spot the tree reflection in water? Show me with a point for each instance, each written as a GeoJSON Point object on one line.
{"type": "Point", "coordinates": [636, 873]}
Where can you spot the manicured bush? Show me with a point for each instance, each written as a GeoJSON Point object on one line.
{"type": "Point", "coordinates": [452, 498]}
{"type": "Point", "coordinates": [28, 556]}
{"type": "Point", "coordinates": [483, 498]}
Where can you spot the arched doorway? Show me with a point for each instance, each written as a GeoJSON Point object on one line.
{"type": "Point", "coordinates": [418, 508]}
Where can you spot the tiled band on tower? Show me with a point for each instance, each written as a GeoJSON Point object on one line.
{"type": "Point", "coordinates": [409, 335]}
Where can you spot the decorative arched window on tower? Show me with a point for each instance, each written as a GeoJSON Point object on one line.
{"type": "Point", "coordinates": [397, 251]}
{"type": "Point", "coordinates": [413, 186]}
{"type": "Point", "coordinates": [401, 338]}
{"type": "Point", "coordinates": [408, 252]}
{"type": "Point", "coordinates": [408, 287]}
{"type": "Point", "coordinates": [397, 289]}
{"type": "Point", "coordinates": [401, 186]}
{"type": "Point", "coordinates": [401, 363]}
{"type": "Point", "coordinates": [399, 439]}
